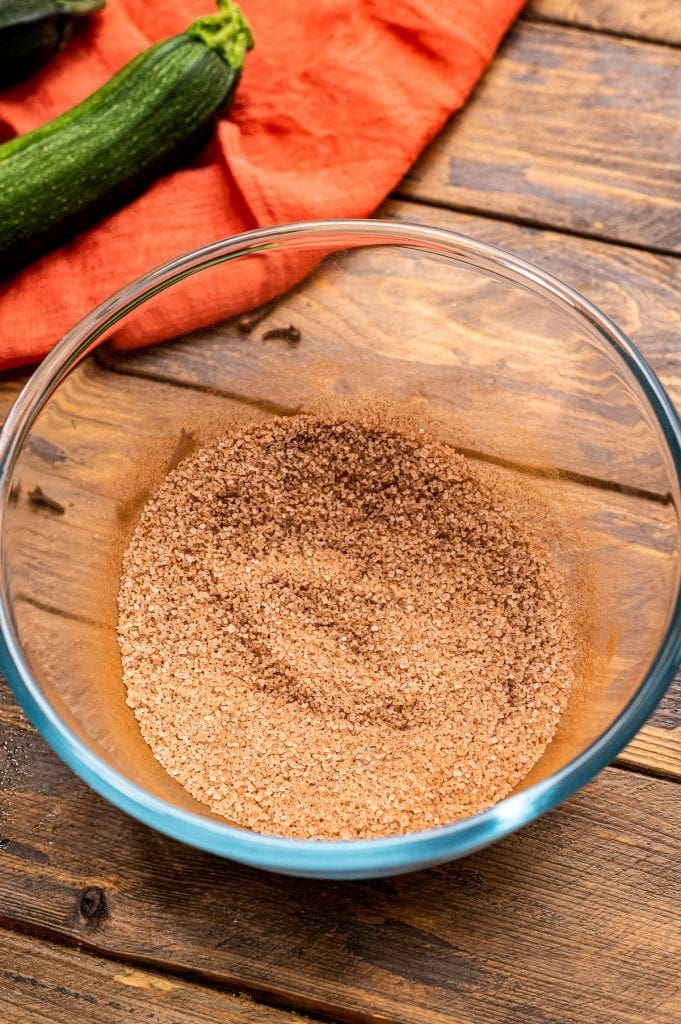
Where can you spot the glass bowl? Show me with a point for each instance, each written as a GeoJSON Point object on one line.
{"type": "Point", "coordinates": [516, 368]}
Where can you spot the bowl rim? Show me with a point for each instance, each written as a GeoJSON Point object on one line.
{"type": "Point", "coordinates": [353, 858]}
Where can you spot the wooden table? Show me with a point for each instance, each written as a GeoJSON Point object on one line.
{"type": "Point", "coordinates": [568, 154]}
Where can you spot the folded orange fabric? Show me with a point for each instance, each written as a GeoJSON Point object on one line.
{"type": "Point", "coordinates": [336, 101]}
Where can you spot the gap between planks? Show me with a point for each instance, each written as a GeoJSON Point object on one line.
{"type": "Point", "coordinates": [519, 931]}
{"type": "Point", "coordinates": [524, 469]}
{"type": "Point", "coordinates": [270, 1005]}
{"type": "Point", "coordinates": [404, 194]}
{"type": "Point", "coordinates": [654, 751]}
{"type": "Point", "coordinates": [598, 30]}
{"type": "Point", "coordinates": [48, 976]}
{"type": "Point", "coordinates": [568, 129]}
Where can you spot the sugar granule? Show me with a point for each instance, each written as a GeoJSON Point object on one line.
{"type": "Point", "coordinates": [331, 629]}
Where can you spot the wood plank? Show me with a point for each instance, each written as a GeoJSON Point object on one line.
{"type": "Point", "coordinates": [43, 981]}
{"type": "Point", "coordinates": [655, 20]}
{"type": "Point", "coordinates": [639, 290]}
{"type": "Point", "coordinates": [656, 750]}
{"type": "Point", "coordinates": [567, 129]}
{"type": "Point", "coordinates": [571, 406]}
{"type": "Point", "coordinates": [96, 449]}
{"type": "Point", "coordinates": [520, 931]}
{"type": "Point", "coordinates": [522, 384]}
{"type": "Point", "coordinates": [10, 386]}
{"type": "Point", "coordinates": [667, 715]}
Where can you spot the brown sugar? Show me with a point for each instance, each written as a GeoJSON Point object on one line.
{"type": "Point", "coordinates": [333, 629]}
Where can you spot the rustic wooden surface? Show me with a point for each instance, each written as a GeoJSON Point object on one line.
{"type": "Point", "coordinates": [638, 289]}
{"type": "Point", "coordinates": [569, 129]}
{"type": "Point", "coordinates": [569, 155]}
{"type": "Point", "coordinates": [574, 920]}
{"type": "Point", "coordinates": [45, 981]}
{"type": "Point", "coordinates": [655, 749]}
{"type": "Point", "coordinates": [658, 21]}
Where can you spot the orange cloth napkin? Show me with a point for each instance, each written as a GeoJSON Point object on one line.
{"type": "Point", "coordinates": [336, 101]}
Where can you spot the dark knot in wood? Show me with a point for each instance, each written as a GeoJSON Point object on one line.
{"type": "Point", "coordinates": [92, 905]}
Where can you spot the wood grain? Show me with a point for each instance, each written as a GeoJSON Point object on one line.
{"type": "Point", "coordinates": [567, 129]}
{"type": "Point", "coordinates": [10, 386]}
{"type": "Point", "coordinates": [654, 20]}
{"type": "Point", "coordinates": [639, 290]}
{"type": "Point", "coordinates": [519, 932]}
{"type": "Point", "coordinates": [667, 715]}
{"type": "Point", "coordinates": [511, 363]}
{"type": "Point", "coordinates": [655, 750]}
{"type": "Point", "coordinates": [519, 383]}
{"type": "Point", "coordinates": [41, 981]}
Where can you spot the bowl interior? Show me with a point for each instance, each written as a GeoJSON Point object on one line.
{"type": "Point", "coordinates": [497, 365]}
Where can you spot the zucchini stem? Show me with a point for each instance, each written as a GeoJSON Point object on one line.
{"type": "Point", "coordinates": [227, 32]}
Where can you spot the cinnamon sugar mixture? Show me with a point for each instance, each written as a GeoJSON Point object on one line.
{"type": "Point", "coordinates": [334, 630]}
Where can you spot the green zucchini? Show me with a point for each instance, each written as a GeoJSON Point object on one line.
{"type": "Point", "coordinates": [146, 119]}
{"type": "Point", "coordinates": [32, 31]}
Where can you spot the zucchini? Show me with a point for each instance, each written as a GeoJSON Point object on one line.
{"type": "Point", "coordinates": [32, 31]}
{"type": "Point", "coordinates": [145, 120]}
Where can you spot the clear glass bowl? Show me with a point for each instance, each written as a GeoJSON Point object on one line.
{"type": "Point", "coordinates": [520, 370]}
